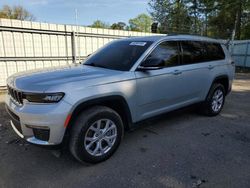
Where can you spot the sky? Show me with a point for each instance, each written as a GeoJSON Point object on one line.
{"type": "Point", "coordinates": [63, 11]}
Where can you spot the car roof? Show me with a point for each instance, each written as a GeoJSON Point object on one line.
{"type": "Point", "coordinates": [155, 38]}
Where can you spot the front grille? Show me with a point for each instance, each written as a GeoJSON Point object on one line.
{"type": "Point", "coordinates": [16, 95]}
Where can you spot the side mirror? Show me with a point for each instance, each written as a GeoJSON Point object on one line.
{"type": "Point", "coordinates": [151, 64]}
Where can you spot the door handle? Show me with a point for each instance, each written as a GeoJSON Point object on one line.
{"type": "Point", "coordinates": [176, 72]}
{"type": "Point", "coordinates": [210, 67]}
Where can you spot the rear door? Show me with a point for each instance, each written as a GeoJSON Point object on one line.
{"type": "Point", "coordinates": [200, 64]}
{"type": "Point", "coordinates": [195, 69]}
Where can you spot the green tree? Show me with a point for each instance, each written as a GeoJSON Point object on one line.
{"type": "Point", "coordinates": [195, 11]}
{"type": "Point", "coordinates": [246, 32]}
{"type": "Point", "coordinates": [118, 26]}
{"type": "Point", "coordinates": [245, 22]}
{"type": "Point", "coordinates": [141, 23]}
{"type": "Point", "coordinates": [16, 12]}
{"type": "Point", "coordinates": [173, 16]}
{"type": "Point", "coordinates": [228, 16]}
{"type": "Point", "coordinates": [206, 9]}
{"type": "Point", "coordinates": [99, 24]}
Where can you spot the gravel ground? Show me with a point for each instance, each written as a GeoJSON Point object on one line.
{"type": "Point", "coordinates": [180, 149]}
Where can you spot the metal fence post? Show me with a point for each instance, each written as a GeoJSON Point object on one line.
{"type": "Point", "coordinates": [73, 44]}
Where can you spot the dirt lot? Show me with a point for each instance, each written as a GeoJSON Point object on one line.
{"type": "Point", "coordinates": [180, 149]}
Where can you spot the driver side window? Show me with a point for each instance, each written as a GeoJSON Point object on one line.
{"type": "Point", "coordinates": [168, 52]}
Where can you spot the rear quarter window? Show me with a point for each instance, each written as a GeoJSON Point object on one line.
{"type": "Point", "coordinates": [200, 51]}
{"type": "Point", "coordinates": [214, 51]}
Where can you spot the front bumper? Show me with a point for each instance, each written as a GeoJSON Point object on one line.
{"type": "Point", "coordinates": [41, 124]}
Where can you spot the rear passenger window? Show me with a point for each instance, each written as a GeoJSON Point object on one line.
{"type": "Point", "coordinates": [198, 52]}
{"type": "Point", "coordinates": [192, 52]}
{"type": "Point", "coordinates": [168, 52]}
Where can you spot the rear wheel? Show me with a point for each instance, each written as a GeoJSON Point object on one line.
{"type": "Point", "coordinates": [96, 134]}
{"type": "Point", "coordinates": [214, 101]}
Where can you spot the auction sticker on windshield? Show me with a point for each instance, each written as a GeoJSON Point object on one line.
{"type": "Point", "coordinates": [138, 43]}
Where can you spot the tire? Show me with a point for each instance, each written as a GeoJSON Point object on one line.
{"type": "Point", "coordinates": [212, 106]}
{"type": "Point", "coordinates": [92, 145]}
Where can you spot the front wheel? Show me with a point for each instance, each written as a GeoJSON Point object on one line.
{"type": "Point", "coordinates": [96, 134]}
{"type": "Point", "coordinates": [215, 100]}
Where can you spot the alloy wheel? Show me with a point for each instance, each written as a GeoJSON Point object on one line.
{"type": "Point", "coordinates": [100, 137]}
{"type": "Point", "coordinates": [217, 100]}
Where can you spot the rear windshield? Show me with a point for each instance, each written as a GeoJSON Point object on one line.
{"type": "Point", "coordinates": [118, 55]}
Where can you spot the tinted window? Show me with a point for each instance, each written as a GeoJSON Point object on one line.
{"type": "Point", "coordinates": [168, 52]}
{"type": "Point", "coordinates": [119, 55]}
{"type": "Point", "coordinates": [192, 52]}
{"type": "Point", "coordinates": [197, 52]}
{"type": "Point", "coordinates": [214, 51]}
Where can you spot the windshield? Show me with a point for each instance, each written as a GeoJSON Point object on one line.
{"type": "Point", "coordinates": [118, 55]}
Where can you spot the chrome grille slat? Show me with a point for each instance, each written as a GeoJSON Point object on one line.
{"type": "Point", "coordinates": [19, 97]}
{"type": "Point", "coordinates": [12, 93]}
{"type": "Point", "coordinates": [16, 95]}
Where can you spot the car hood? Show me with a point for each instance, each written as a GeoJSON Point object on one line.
{"type": "Point", "coordinates": [44, 79]}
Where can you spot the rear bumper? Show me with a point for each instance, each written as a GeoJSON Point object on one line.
{"type": "Point", "coordinates": [41, 124]}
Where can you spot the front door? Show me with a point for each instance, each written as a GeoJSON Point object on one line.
{"type": "Point", "coordinates": [160, 90]}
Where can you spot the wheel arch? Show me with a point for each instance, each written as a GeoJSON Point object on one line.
{"type": "Point", "coordinates": [115, 102]}
{"type": "Point", "coordinates": [222, 79]}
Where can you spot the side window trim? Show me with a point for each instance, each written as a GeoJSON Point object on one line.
{"type": "Point", "coordinates": [181, 52]}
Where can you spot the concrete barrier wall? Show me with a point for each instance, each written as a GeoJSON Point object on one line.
{"type": "Point", "coordinates": [26, 45]}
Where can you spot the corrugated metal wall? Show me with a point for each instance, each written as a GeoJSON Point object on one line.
{"type": "Point", "coordinates": [241, 53]}
{"type": "Point", "coordinates": [28, 45]}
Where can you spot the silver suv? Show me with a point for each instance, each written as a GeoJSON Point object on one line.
{"type": "Point", "coordinates": [91, 104]}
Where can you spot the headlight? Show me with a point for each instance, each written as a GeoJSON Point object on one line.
{"type": "Point", "coordinates": [43, 97]}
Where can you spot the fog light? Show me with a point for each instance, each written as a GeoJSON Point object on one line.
{"type": "Point", "coordinates": [41, 134]}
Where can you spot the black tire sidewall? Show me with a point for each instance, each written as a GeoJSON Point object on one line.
{"type": "Point", "coordinates": [85, 123]}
